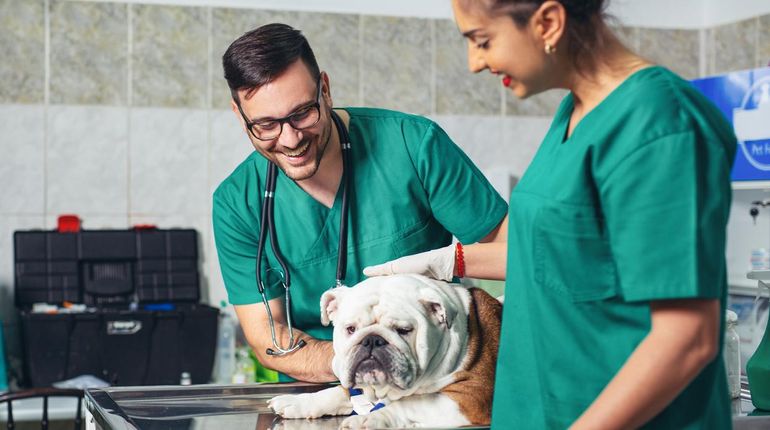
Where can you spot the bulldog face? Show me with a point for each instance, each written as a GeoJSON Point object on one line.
{"type": "Point", "coordinates": [396, 332]}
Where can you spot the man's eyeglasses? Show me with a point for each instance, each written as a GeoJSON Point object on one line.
{"type": "Point", "coordinates": [301, 119]}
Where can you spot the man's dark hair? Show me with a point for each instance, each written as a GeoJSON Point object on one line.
{"type": "Point", "coordinates": [261, 55]}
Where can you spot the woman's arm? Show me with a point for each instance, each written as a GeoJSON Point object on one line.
{"type": "Point", "coordinates": [682, 341]}
{"type": "Point", "coordinates": [483, 260]}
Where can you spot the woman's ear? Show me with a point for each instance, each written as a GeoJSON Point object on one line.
{"type": "Point", "coordinates": [549, 23]}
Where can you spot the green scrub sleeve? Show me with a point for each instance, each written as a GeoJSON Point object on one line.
{"type": "Point", "coordinates": [666, 206]}
{"type": "Point", "coordinates": [236, 243]}
{"type": "Point", "coordinates": [456, 189]}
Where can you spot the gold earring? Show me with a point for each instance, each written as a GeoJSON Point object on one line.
{"type": "Point", "coordinates": [549, 49]}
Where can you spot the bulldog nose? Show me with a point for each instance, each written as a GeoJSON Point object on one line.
{"type": "Point", "coordinates": [373, 341]}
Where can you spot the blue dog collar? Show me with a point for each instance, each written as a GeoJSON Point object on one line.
{"type": "Point", "coordinates": [361, 405]}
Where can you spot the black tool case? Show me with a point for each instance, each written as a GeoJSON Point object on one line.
{"type": "Point", "coordinates": [143, 326]}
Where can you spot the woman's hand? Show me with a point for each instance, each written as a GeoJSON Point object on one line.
{"type": "Point", "coordinates": [437, 264]}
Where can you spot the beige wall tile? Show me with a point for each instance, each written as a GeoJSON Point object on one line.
{"type": "Point", "coordinates": [733, 46]}
{"type": "Point", "coordinates": [764, 41]}
{"type": "Point", "coordinates": [227, 26]}
{"type": "Point", "coordinates": [678, 50]}
{"type": "Point", "coordinates": [22, 49]}
{"type": "Point", "coordinates": [397, 63]}
{"type": "Point", "coordinates": [334, 39]}
{"type": "Point", "coordinates": [169, 61]}
{"type": "Point", "coordinates": [89, 53]}
{"type": "Point", "coordinates": [458, 91]}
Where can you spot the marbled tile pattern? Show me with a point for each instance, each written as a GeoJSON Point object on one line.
{"type": "Point", "coordinates": [678, 50]}
{"type": "Point", "coordinates": [22, 161]}
{"type": "Point", "coordinates": [87, 160]}
{"type": "Point", "coordinates": [227, 26]}
{"type": "Point", "coordinates": [167, 149]}
{"type": "Point", "coordinates": [733, 46]}
{"type": "Point", "coordinates": [764, 41]}
{"type": "Point", "coordinates": [170, 56]}
{"type": "Point", "coordinates": [629, 36]}
{"type": "Point", "coordinates": [22, 49]}
{"type": "Point", "coordinates": [334, 40]}
{"type": "Point", "coordinates": [458, 91]}
{"type": "Point", "coordinates": [397, 63]}
{"type": "Point", "coordinates": [543, 104]}
{"type": "Point", "coordinates": [89, 53]}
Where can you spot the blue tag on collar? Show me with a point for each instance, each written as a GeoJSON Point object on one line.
{"type": "Point", "coordinates": [362, 405]}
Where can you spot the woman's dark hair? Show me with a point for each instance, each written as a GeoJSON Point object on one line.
{"type": "Point", "coordinates": [585, 28]}
{"type": "Point", "coordinates": [261, 55]}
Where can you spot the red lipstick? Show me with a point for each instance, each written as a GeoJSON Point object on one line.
{"type": "Point", "coordinates": [506, 80]}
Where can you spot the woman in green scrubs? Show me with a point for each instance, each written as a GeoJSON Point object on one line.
{"type": "Point", "coordinates": [616, 274]}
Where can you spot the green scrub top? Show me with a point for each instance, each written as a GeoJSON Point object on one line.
{"type": "Point", "coordinates": [631, 208]}
{"type": "Point", "coordinates": [412, 189]}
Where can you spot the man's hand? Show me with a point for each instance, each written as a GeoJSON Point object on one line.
{"type": "Point", "coordinates": [437, 264]}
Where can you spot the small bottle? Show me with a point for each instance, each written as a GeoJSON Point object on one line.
{"type": "Point", "coordinates": [732, 354]}
{"type": "Point", "coordinates": [225, 367]}
{"type": "Point", "coordinates": [245, 372]}
{"type": "Point", "coordinates": [185, 379]}
{"type": "Point", "coordinates": [760, 259]}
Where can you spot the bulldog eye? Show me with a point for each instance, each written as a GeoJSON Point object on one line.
{"type": "Point", "coordinates": [351, 329]}
{"type": "Point", "coordinates": [403, 331]}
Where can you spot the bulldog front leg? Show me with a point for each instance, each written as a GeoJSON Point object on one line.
{"type": "Point", "coordinates": [434, 410]}
{"type": "Point", "coordinates": [331, 401]}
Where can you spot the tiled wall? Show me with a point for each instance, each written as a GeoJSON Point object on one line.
{"type": "Point", "coordinates": [119, 112]}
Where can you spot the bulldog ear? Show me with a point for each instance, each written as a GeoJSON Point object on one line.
{"type": "Point", "coordinates": [441, 314]}
{"type": "Point", "coordinates": [330, 302]}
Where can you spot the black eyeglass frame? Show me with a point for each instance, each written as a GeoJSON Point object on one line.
{"type": "Point", "coordinates": [287, 119]}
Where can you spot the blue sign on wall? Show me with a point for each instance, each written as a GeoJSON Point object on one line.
{"type": "Point", "coordinates": [744, 98]}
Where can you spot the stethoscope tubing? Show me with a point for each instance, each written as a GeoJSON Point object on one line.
{"type": "Point", "coordinates": [267, 225]}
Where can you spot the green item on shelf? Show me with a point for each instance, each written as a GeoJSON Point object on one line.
{"type": "Point", "coordinates": [758, 372]}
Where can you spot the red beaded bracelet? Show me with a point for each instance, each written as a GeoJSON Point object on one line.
{"type": "Point", "coordinates": [459, 260]}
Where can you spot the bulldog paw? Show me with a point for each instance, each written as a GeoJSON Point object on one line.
{"type": "Point", "coordinates": [294, 406]}
{"type": "Point", "coordinates": [368, 422]}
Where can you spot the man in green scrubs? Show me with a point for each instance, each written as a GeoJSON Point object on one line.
{"type": "Point", "coordinates": [412, 188]}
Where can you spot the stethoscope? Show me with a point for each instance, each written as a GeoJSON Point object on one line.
{"type": "Point", "coordinates": [268, 224]}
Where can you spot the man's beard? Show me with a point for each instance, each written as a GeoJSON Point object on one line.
{"type": "Point", "coordinates": [320, 151]}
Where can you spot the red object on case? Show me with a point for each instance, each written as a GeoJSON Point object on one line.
{"type": "Point", "coordinates": [145, 227]}
{"type": "Point", "coordinates": [68, 224]}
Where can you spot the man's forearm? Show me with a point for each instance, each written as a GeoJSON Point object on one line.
{"type": "Point", "coordinates": [311, 363]}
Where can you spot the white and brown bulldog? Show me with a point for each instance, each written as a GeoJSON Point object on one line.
{"type": "Point", "coordinates": [424, 349]}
